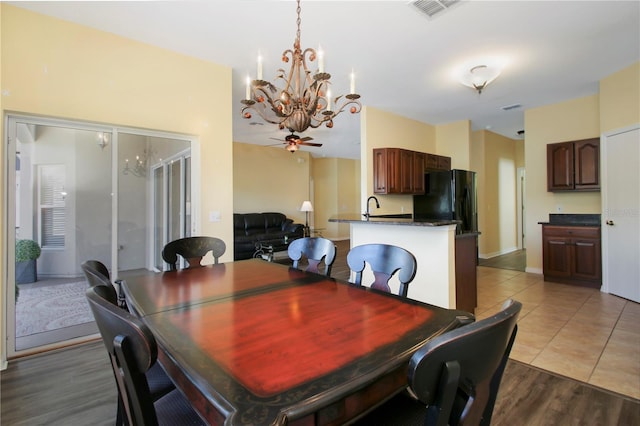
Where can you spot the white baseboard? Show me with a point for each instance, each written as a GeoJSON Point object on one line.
{"type": "Point", "coordinates": [497, 253]}
{"type": "Point", "coordinates": [533, 270]}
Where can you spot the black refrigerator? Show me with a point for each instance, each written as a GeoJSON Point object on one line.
{"type": "Point", "coordinates": [449, 195]}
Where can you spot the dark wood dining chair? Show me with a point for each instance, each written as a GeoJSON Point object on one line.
{"type": "Point", "coordinates": [97, 275]}
{"type": "Point", "coordinates": [384, 260]}
{"type": "Point", "coordinates": [455, 376]}
{"type": "Point", "coordinates": [192, 249]}
{"type": "Point", "coordinates": [315, 250]}
{"type": "Point", "coordinates": [133, 352]}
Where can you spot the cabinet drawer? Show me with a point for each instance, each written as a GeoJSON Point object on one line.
{"type": "Point", "coordinates": [571, 231]}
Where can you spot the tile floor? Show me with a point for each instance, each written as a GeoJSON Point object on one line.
{"type": "Point", "coordinates": [573, 331]}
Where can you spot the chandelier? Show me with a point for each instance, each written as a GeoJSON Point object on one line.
{"type": "Point", "coordinates": [305, 99]}
{"type": "Point", "coordinates": [140, 166]}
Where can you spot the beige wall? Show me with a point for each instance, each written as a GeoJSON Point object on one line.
{"type": "Point", "coordinates": [620, 99]}
{"type": "Point", "coordinates": [269, 179]}
{"type": "Point", "coordinates": [565, 121]}
{"type": "Point", "coordinates": [495, 160]}
{"type": "Point", "coordinates": [59, 69]}
{"type": "Point", "coordinates": [453, 140]}
{"type": "Point", "coordinates": [337, 191]}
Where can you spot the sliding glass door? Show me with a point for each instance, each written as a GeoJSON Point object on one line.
{"type": "Point", "coordinates": [80, 191]}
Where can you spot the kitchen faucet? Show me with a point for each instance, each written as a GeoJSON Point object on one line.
{"type": "Point", "coordinates": [377, 206]}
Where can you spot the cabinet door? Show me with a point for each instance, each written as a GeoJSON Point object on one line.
{"type": "Point", "coordinates": [587, 164]}
{"type": "Point", "coordinates": [560, 166]}
{"type": "Point", "coordinates": [380, 171]}
{"type": "Point", "coordinates": [444, 163]}
{"type": "Point", "coordinates": [556, 253]}
{"type": "Point", "coordinates": [586, 259]}
{"type": "Point", "coordinates": [418, 172]}
{"type": "Point", "coordinates": [431, 162]}
{"type": "Point", "coordinates": [406, 171]}
{"type": "Point", "coordinates": [393, 171]}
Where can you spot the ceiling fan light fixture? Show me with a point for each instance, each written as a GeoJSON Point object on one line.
{"type": "Point", "coordinates": [291, 147]}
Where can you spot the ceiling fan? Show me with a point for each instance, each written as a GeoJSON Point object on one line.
{"type": "Point", "coordinates": [292, 141]}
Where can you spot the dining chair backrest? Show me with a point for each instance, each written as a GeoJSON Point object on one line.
{"type": "Point", "coordinates": [457, 374]}
{"type": "Point", "coordinates": [132, 350]}
{"type": "Point", "coordinates": [314, 249]}
{"type": "Point", "coordinates": [192, 249]}
{"type": "Point", "coordinates": [97, 274]}
{"type": "Point", "coordinates": [384, 260]}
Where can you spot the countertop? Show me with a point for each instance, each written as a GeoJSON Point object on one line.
{"type": "Point", "coordinates": [356, 218]}
{"type": "Point", "coordinates": [572, 219]}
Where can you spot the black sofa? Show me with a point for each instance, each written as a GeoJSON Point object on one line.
{"type": "Point", "coordinates": [268, 228]}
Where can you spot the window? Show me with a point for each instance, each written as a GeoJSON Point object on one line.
{"type": "Point", "coordinates": [51, 205]}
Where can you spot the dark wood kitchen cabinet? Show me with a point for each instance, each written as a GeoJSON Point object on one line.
{"type": "Point", "coordinates": [574, 166]}
{"type": "Point", "coordinates": [466, 255]}
{"type": "Point", "coordinates": [572, 255]}
{"type": "Point", "coordinates": [398, 171]}
{"type": "Point", "coordinates": [436, 163]}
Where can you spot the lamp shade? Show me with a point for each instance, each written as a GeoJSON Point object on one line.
{"type": "Point", "coordinates": [306, 207]}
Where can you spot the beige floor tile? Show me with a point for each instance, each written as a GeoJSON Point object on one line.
{"type": "Point", "coordinates": [568, 361]}
{"type": "Point", "coordinates": [619, 366]}
{"type": "Point", "coordinates": [573, 331]}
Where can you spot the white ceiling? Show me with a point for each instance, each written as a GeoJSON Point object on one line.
{"type": "Point", "coordinates": [403, 60]}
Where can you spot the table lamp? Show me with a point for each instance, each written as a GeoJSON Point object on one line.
{"type": "Point", "coordinates": [306, 207]}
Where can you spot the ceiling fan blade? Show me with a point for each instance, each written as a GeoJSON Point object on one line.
{"type": "Point", "coordinates": [276, 139]}
{"type": "Point", "coordinates": [274, 144]}
{"type": "Point", "coordinates": [306, 138]}
{"type": "Point", "coordinates": [309, 143]}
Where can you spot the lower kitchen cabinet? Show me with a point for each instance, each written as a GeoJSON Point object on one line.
{"type": "Point", "coordinates": [466, 252]}
{"type": "Point", "coordinates": [572, 255]}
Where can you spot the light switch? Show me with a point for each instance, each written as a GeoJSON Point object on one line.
{"type": "Point", "coordinates": [214, 216]}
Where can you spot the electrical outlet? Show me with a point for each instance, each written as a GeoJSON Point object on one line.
{"type": "Point", "coordinates": [214, 216]}
{"type": "Point", "coordinates": [559, 208]}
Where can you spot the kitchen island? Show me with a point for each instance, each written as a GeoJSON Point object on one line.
{"type": "Point", "coordinates": [433, 243]}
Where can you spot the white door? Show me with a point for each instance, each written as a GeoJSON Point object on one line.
{"type": "Point", "coordinates": [621, 213]}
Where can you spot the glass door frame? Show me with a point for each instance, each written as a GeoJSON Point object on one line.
{"type": "Point", "coordinates": [7, 318]}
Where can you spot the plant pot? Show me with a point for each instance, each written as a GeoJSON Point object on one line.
{"type": "Point", "coordinates": [26, 272]}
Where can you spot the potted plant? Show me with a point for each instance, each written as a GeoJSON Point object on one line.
{"type": "Point", "coordinates": [27, 252]}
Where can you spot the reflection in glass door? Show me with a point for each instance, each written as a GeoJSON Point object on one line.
{"type": "Point", "coordinates": [151, 194]}
{"type": "Point", "coordinates": [172, 203]}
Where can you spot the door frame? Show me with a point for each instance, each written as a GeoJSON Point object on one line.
{"type": "Point", "coordinates": [7, 316]}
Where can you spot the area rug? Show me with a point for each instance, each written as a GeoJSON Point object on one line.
{"type": "Point", "coordinates": [51, 307]}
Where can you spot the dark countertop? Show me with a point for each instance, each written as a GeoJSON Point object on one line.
{"type": "Point", "coordinates": [573, 219]}
{"type": "Point", "coordinates": [356, 218]}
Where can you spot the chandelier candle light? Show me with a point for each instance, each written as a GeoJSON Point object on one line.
{"type": "Point", "coordinates": [305, 101]}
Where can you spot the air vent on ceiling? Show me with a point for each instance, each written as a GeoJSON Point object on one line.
{"type": "Point", "coordinates": [433, 7]}
{"type": "Point", "coordinates": [508, 107]}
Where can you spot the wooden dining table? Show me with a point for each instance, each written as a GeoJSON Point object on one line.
{"type": "Point", "coordinates": [259, 343]}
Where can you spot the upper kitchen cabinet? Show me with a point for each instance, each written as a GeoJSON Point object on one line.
{"type": "Point", "coordinates": [436, 163]}
{"type": "Point", "coordinates": [398, 171]}
{"type": "Point", "coordinates": [574, 166]}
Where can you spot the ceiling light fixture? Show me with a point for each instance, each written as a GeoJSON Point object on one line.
{"type": "Point", "coordinates": [292, 147]}
{"type": "Point", "coordinates": [479, 76]}
{"type": "Point", "coordinates": [305, 101]}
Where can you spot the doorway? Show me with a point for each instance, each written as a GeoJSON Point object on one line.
{"type": "Point", "coordinates": [82, 191]}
